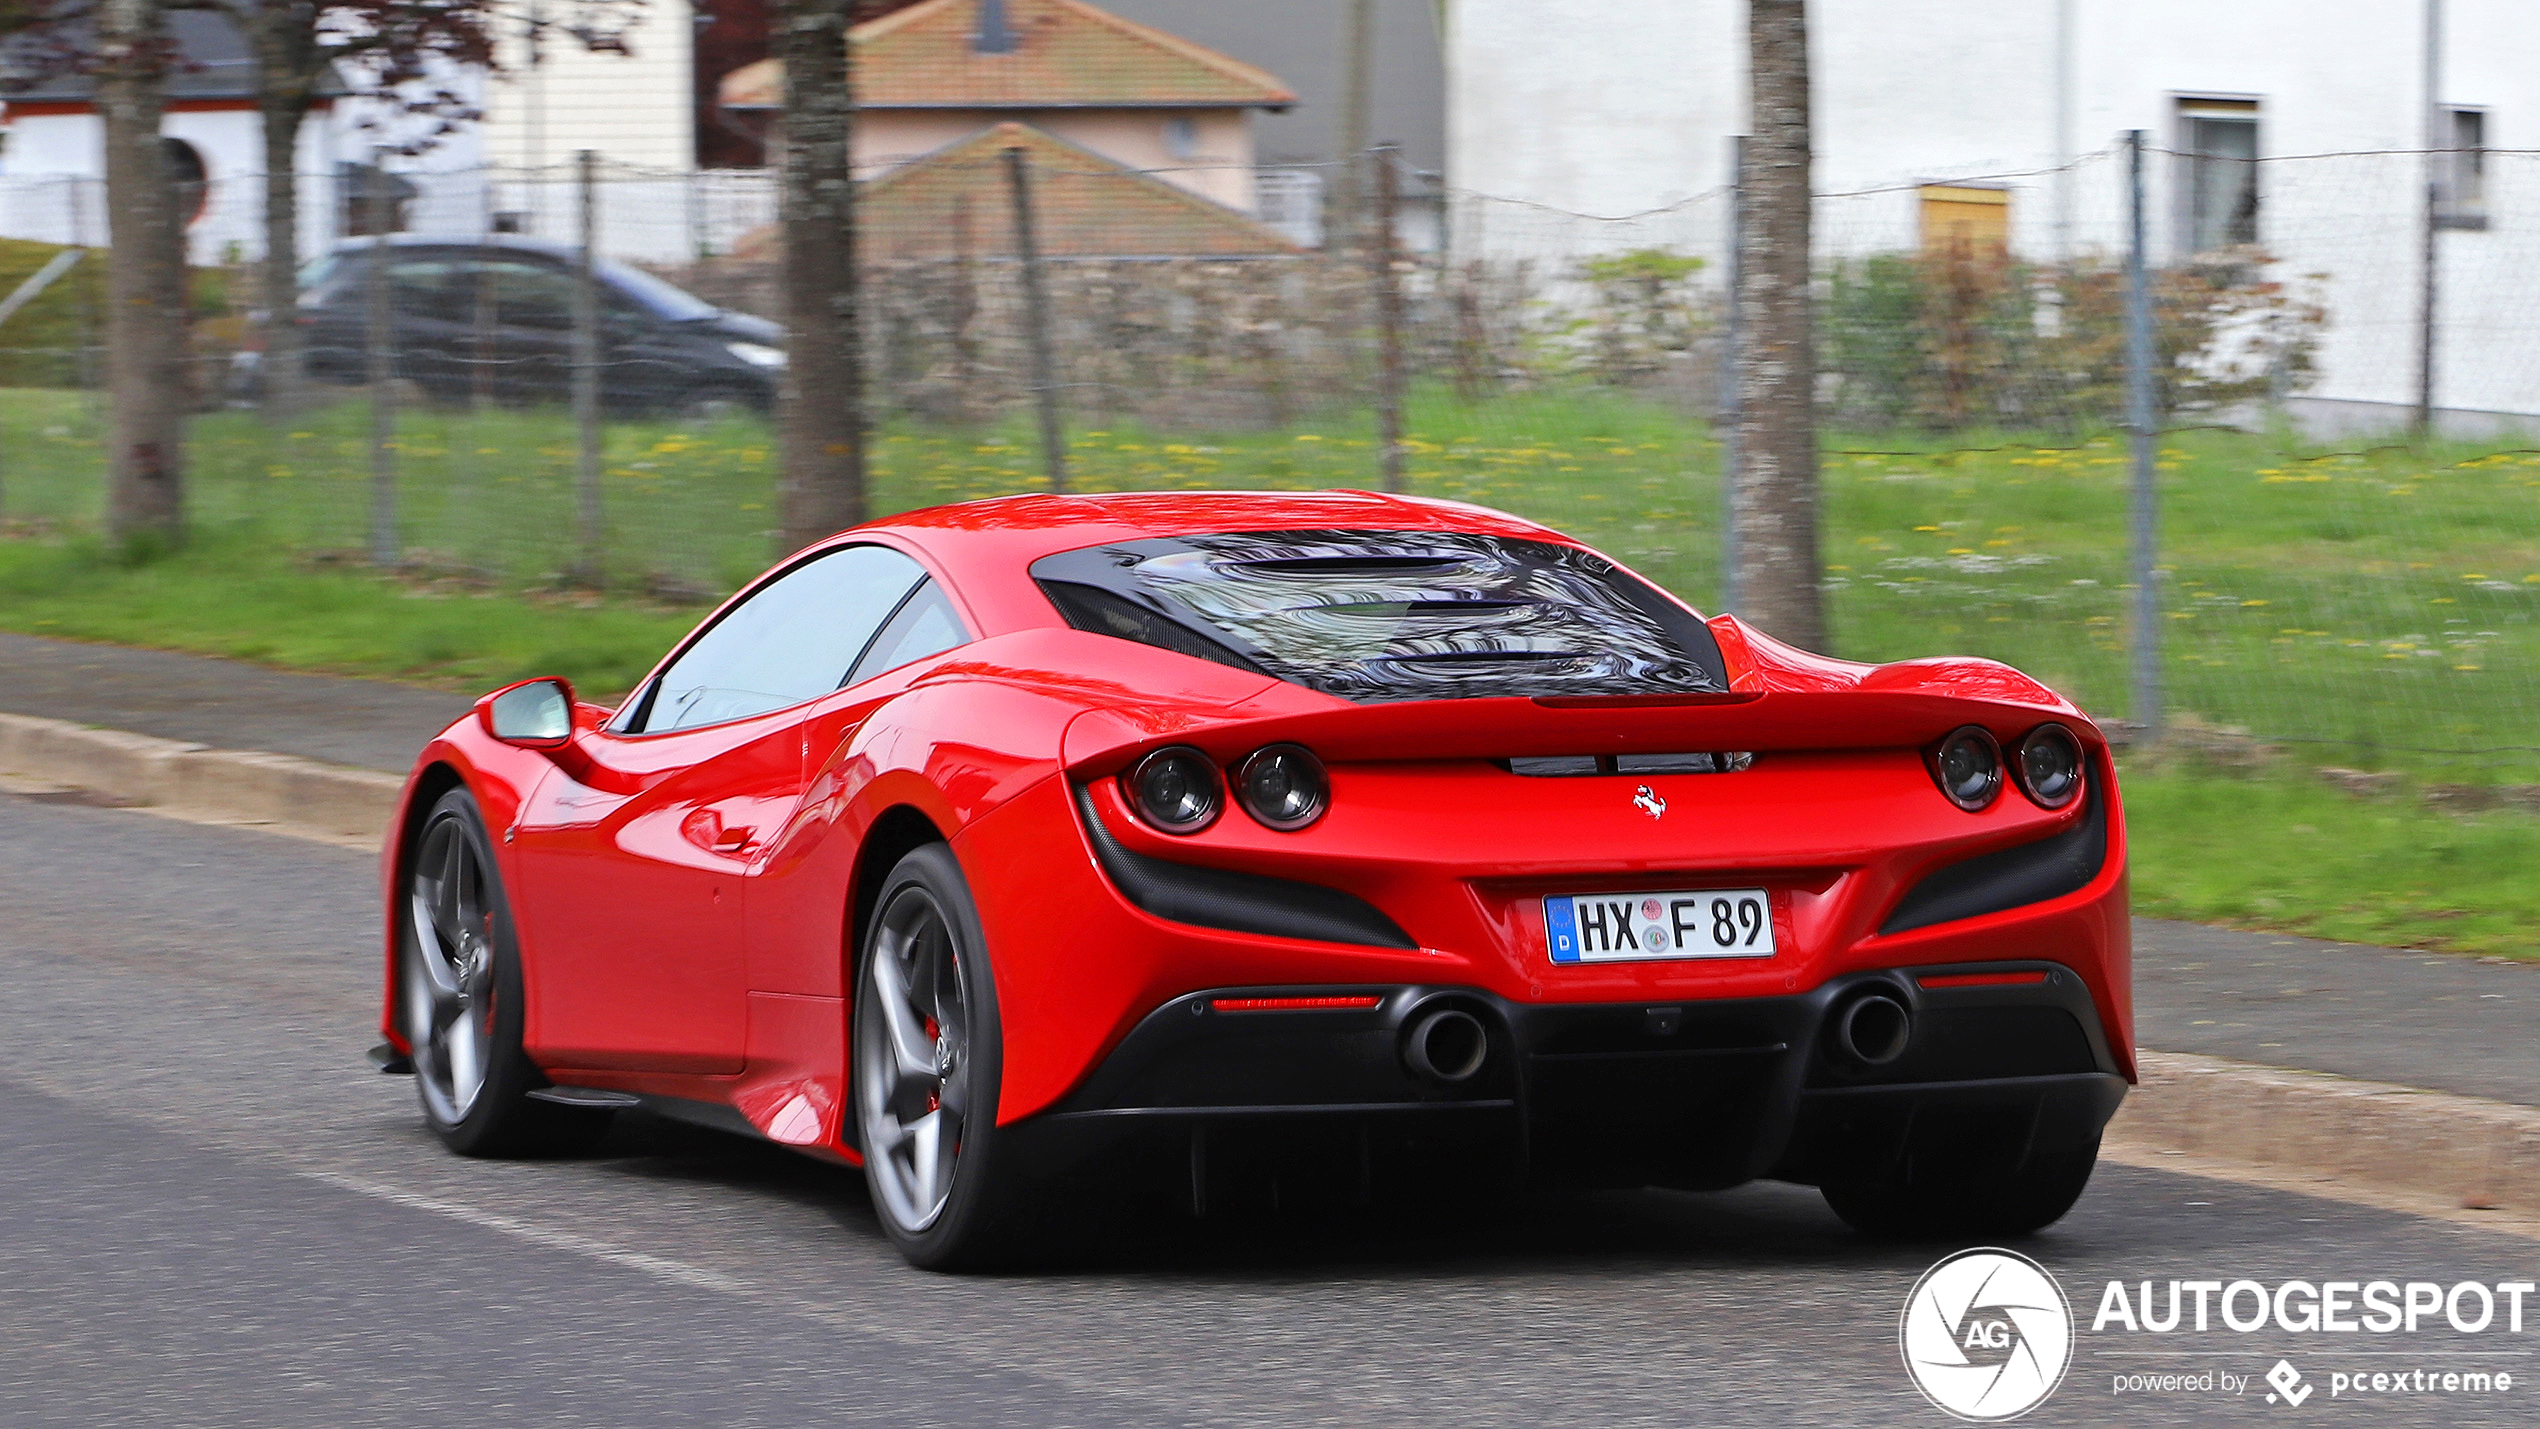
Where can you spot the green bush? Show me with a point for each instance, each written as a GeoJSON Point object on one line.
{"type": "Point", "coordinates": [1960, 338]}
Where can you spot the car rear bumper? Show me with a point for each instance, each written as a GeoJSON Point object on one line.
{"type": "Point", "coordinates": [1691, 1094]}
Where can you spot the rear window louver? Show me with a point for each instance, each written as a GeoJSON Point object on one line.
{"type": "Point", "coordinates": [1377, 616]}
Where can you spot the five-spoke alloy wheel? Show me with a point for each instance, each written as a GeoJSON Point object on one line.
{"type": "Point", "coordinates": [927, 1059]}
{"type": "Point", "coordinates": [450, 996]}
{"type": "Point", "coordinates": [460, 1001]}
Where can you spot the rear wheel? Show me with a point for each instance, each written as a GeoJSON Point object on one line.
{"type": "Point", "coordinates": [928, 1058]}
{"type": "Point", "coordinates": [1911, 1201]}
{"type": "Point", "coordinates": [460, 999]}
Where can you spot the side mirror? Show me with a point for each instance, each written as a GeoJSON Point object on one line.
{"type": "Point", "coordinates": [536, 714]}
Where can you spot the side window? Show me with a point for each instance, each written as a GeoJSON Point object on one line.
{"type": "Point", "coordinates": [791, 641]}
{"type": "Point", "coordinates": [2220, 190]}
{"type": "Point", "coordinates": [924, 626]}
{"type": "Point", "coordinates": [434, 290]}
{"type": "Point", "coordinates": [531, 295]}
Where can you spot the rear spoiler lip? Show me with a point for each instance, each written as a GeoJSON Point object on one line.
{"type": "Point", "coordinates": [1101, 742]}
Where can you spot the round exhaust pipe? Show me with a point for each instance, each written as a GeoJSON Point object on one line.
{"type": "Point", "coordinates": [1446, 1046]}
{"type": "Point", "coordinates": [1873, 1030]}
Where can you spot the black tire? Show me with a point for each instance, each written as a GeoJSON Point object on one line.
{"type": "Point", "coordinates": [460, 1000]}
{"type": "Point", "coordinates": [1903, 1202]}
{"type": "Point", "coordinates": [923, 964]}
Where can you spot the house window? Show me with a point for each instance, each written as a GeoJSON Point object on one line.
{"type": "Point", "coordinates": [1181, 136]}
{"type": "Point", "coordinates": [1960, 218]}
{"type": "Point", "coordinates": [2462, 202]}
{"type": "Point", "coordinates": [2219, 154]}
{"type": "Point", "coordinates": [1291, 201]}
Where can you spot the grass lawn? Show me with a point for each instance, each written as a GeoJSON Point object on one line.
{"type": "Point", "coordinates": [2377, 608]}
{"type": "Point", "coordinates": [228, 594]}
{"type": "Point", "coordinates": [2286, 851]}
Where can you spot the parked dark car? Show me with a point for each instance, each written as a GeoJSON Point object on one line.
{"type": "Point", "coordinates": [494, 318]}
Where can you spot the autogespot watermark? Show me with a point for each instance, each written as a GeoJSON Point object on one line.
{"type": "Point", "coordinates": [2328, 1308]}
{"type": "Point", "coordinates": [1988, 1335]}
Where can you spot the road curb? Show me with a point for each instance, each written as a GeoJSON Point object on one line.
{"type": "Point", "coordinates": [2464, 1151]}
{"type": "Point", "coordinates": [282, 791]}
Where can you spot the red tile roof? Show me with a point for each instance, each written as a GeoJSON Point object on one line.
{"type": "Point", "coordinates": [1066, 54]}
{"type": "Point", "coordinates": [1084, 206]}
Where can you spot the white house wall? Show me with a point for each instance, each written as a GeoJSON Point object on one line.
{"type": "Point", "coordinates": [635, 109]}
{"type": "Point", "coordinates": [51, 156]}
{"type": "Point", "coordinates": [1614, 110]}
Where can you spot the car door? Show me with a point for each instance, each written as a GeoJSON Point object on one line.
{"type": "Point", "coordinates": [637, 855]}
{"type": "Point", "coordinates": [428, 292]}
{"type": "Point", "coordinates": [647, 369]}
{"type": "Point", "coordinates": [794, 928]}
{"type": "Point", "coordinates": [529, 320]}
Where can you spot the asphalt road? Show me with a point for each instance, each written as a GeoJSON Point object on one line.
{"type": "Point", "coordinates": [2416, 1019]}
{"type": "Point", "coordinates": [211, 1213]}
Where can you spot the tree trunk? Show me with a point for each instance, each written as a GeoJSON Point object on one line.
{"type": "Point", "coordinates": [823, 417]}
{"type": "Point", "coordinates": [145, 283]}
{"type": "Point", "coordinates": [1773, 501]}
{"type": "Point", "coordinates": [283, 96]}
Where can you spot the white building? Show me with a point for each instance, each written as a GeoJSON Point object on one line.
{"type": "Point", "coordinates": [633, 108]}
{"type": "Point", "coordinates": [52, 158]}
{"type": "Point", "coordinates": [1615, 110]}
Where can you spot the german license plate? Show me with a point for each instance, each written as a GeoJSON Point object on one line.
{"type": "Point", "coordinates": [1631, 927]}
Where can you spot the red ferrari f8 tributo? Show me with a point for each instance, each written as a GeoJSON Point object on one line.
{"type": "Point", "coordinates": [1243, 832]}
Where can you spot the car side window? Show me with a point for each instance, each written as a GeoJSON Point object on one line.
{"type": "Point", "coordinates": [433, 289]}
{"type": "Point", "coordinates": [792, 640]}
{"type": "Point", "coordinates": [925, 625]}
{"type": "Point", "coordinates": [531, 295]}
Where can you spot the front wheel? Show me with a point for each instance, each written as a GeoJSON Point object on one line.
{"type": "Point", "coordinates": [927, 1061]}
{"type": "Point", "coordinates": [461, 1003]}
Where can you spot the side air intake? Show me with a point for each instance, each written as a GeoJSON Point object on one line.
{"type": "Point", "coordinates": [2008, 878]}
{"type": "Point", "coordinates": [1237, 902]}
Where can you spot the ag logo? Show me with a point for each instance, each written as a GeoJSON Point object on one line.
{"type": "Point", "coordinates": [1986, 1335]}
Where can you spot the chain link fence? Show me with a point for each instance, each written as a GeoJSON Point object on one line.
{"type": "Point", "coordinates": [2322, 580]}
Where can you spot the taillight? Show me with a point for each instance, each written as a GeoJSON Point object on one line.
{"type": "Point", "coordinates": [1283, 786]}
{"type": "Point", "coordinates": [2049, 766]}
{"type": "Point", "coordinates": [1968, 767]}
{"type": "Point", "coordinates": [1177, 790]}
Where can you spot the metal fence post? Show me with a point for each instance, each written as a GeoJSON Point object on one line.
{"type": "Point", "coordinates": [480, 323]}
{"type": "Point", "coordinates": [2139, 417]}
{"type": "Point", "coordinates": [586, 365]}
{"type": "Point", "coordinates": [1036, 317]}
{"type": "Point", "coordinates": [2437, 150]}
{"type": "Point", "coordinates": [1732, 340]}
{"type": "Point", "coordinates": [379, 340]}
{"type": "Point", "coordinates": [84, 358]}
{"type": "Point", "coordinates": [1384, 194]}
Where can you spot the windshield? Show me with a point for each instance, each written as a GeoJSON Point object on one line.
{"type": "Point", "coordinates": [660, 297]}
{"type": "Point", "coordinates": [1375, 616]}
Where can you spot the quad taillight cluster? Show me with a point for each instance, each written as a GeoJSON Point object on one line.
{"type": "Point", "coordinates": [1970, 768]}
{"type": "Point", "coordinates": [1181, 790]}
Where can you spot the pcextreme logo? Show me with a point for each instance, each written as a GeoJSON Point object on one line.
{"type": "Point", "coordinates": [1987, 1335]}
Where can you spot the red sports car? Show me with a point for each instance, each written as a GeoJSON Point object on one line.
{"type": "Point", "coordinates": [1268, 836]}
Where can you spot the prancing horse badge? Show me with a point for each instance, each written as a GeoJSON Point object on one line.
{"type": "Point", "coordinates": [1648, 802]}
